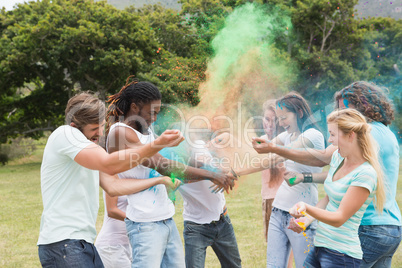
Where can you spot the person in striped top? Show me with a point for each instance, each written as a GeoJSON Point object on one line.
{"type": "Point", "coordinates": [354, 180]}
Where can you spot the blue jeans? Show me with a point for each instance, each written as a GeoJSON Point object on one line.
{"type": "Point", "coordinates": [69, 253]}
{"type": "Point", "coordinates": [379, 243]}
{"type": "Point", "coordinates": [328, 258]}
{"type": "Point", "coordinates": [219, 235]}
{"type": "Point", "coordinates": [281, 240]}
{"type": "Point", "coordinates": [155, 244]}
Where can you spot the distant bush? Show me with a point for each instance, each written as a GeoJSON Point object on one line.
{"type": "Point", "coordinates": [3, 158]}
{"type": "Point", "coordinates": [16, 148]}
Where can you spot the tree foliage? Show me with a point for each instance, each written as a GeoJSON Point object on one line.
{"type": "Point", "coordinates": [51, 49]}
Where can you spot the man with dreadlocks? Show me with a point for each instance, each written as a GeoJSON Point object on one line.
{"type": "Point", "coordinates": [70, 182]}
{"type": "Point", "coordinates": [152, 232]}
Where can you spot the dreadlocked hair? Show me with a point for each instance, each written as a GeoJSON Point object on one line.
{"type": "Point", "coordinates": [133, 91]}
{"type": "Point", "coordinates": [369, 99]}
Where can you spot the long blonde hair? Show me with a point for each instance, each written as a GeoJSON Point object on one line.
{"type": "Point", "coordinates": [351, 120]}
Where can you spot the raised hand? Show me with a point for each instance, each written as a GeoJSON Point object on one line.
{"type": "Point", "coordinates": [263, 146]}
{"type": "Point", "coordinates": [169, 138]}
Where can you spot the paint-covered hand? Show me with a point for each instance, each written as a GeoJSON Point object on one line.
{"type": "Point", "coordinates": [298, 210]}
{"type": "Point", "coordinates": [292, 178]}
{"type": "Point", "coordinates": [169, 138]}
{"type": "Point", "coordinates": [171, 183]}
{"type": "Point", "coordinates": [298, 225]}
{"type": "Point", "coordinates": [263, 146]}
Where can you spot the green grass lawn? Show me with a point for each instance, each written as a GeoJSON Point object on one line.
{"type": "Point", "coordinates": [21, 208]}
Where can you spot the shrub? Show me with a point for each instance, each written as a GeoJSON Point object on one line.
{"type": "Point", "coordinates": [16, 148]}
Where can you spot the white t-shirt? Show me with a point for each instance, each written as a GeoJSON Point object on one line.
{"type": "Point", "coordinates": [113, 232]}
{"type": "Point", "coordinates": [199, 204]}
{"type": "Point", "coordinates": [287, 196]}
{"type": "Point", "coordinates": [70, 192]}
{"type": "Point", "coordinates": [153, 203]}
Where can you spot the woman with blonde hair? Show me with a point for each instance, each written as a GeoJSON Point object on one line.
{"type": "Point", "coordinates": [354, 180]}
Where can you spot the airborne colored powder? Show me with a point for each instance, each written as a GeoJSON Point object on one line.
{"type": "Point", "coordinates": [247, 68]}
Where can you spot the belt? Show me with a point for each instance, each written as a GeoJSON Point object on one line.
{"type": "Point", "coordinates": [223, 214]}
{"type": "Point", "coordinates": [225, 211]}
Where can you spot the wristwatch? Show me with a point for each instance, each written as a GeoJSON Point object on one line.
{"type": "Point", "coordinates": [308, 177]}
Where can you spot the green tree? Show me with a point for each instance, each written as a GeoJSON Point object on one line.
{"type": "Point", "coordinates": [50, 49]}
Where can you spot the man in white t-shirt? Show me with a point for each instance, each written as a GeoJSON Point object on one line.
{"type": "Point", "coordinates": [206, 220]}
{"type": "Point", "coordinates": [70, 182]}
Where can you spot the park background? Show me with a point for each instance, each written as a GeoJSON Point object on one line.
{"type": "Point", "coordinates": [205, 56]}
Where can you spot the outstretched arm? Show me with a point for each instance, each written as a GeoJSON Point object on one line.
{"type": "Point", "coordinates": [168, 167]}
{"type": "Point", "coordinates": [94, 157]}
{"type": "Point", "coordinates": [123, 138]}
{"type": "Point", "coordinates": [293, 178]}
{"type": "Point", "coordinates": [115, 186]}
{"type": "Point", "coordinates": [306, 156]}
{"type": "Point", "coordinates": [273, 159]}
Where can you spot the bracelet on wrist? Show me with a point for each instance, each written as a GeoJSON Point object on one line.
{"type": "Point", "coordinates": [307, 177]}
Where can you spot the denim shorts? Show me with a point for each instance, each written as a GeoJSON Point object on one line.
{"type": "Point", "coordinates": [69, 253]}
{"type": "Point", "coordinates": [328, 258]}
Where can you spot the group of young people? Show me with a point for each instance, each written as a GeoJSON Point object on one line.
{"type": "Point", "coordinates": [358, 222]}
{"type": "Point", "coordinates": [137, 173]}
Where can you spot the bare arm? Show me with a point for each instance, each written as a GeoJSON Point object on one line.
{"type": "Point", "coordinates": [261, 163]}
{"type": "Point", "coordinates": [115, 186]}
{"type": "Point", "coordinates": [123, 138]}
{"type": "Point", "coordinates": [350, 204]}
{"type": "Point", "coordinates": [167, 166]}
{"type": "Point", "coordinates": [293, 178]}
{"type": "Point", "coordinates": [267, 162]}
{"type": "Point", "coordinates": [273, 159]}
{"type": "Point", "coordinates": [306, 156]}
{"type": "Point", "coordinates": [94, 157]}
{"type": "Point", "coordinates": [112, 210]}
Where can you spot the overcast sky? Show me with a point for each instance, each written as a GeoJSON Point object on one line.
{"type": "Point", "coordinates": [8, 4]}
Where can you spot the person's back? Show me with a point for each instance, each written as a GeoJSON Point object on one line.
{"type": "Point", "coordinates": [378, 228]}
{"type": "Point", "coordinates": [389, 155]}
